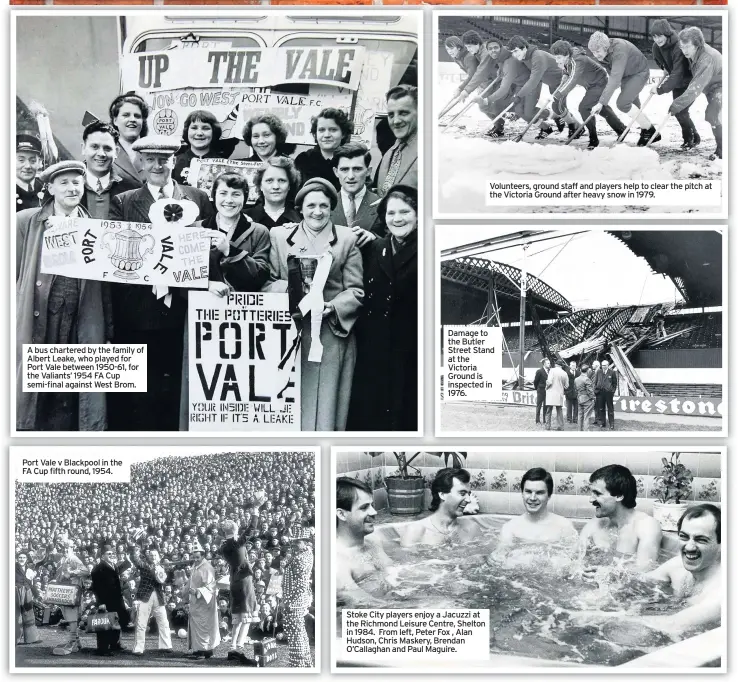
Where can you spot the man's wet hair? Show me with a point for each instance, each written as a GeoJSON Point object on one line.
{"type": "Point", "coordinates": [443, 482]}
{"type": "Point", "coordinates": [700, 510]}
{"type": "Point", "coordinates": [618, 481]}
{"type": "Point", "coordinates": [346, 492]}
{"type": "Point", "coordinates": [538, 474]}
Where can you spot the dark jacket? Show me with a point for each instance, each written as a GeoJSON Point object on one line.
{"type": "Point", "coordinates": [312, 164]}
{"type": "Point", "coordinates": [107, 590]}
{"type": "Point", "coordinates": [29, 199]}
{"type": "Point", "coordinates": [366, 216]}
{"type": "Point", "coordinates": [148, 582]}
{"type": "Point", "coordinates": [98, 206]}
{"type": "Point", "coordinates": [468, 63]}
{"type": "Point", "coordinates": [259, 215]}
{"type": "Point", "coordinates": [222, 149]}
{"type": "Point", "coordinates": [543, 69]}
{"type": "Point", "coordinates": [707, 74]}
{"type": "Point", "coordinates": [136, 306]}
{"type": "Point", "coordinates": [246, 267]}
{"type": "Point", "coordinates": [672, 59]}
{"type": "Point", "coordinates": [581, 70]}
{"type": "Point", "coordinates": [539, 381]}
{"type": "Point", "coordinates": [514, 75]}
{"type": "Point", "coordinates": [623, 60]}
{"type": "Point", "coordinates": [571, 391]}
{"type": "Point", "coordinates": [384, 396]}
{"type": "Point", "coordinates": [607, 382]}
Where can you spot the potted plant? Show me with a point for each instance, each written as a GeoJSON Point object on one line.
{"type": "Point", "coordinates": [673, 488]}
{"type": "Point", "coordinates": [406, 490]}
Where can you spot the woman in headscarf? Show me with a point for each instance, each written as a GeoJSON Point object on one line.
{"type": "Point", "coordinates": [385, 390]}
{"type": "Point", "coordinates": [302, 257]}
{"type": "Point", "coordinates": [128, 114]}
{"type": "Point", "coordinates": [56, 310]}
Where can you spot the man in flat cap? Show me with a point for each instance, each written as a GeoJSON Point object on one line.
{"type": "Point", "coordinates": [28, 188]}
{"type": "Point", "coordinates": [139, 316]}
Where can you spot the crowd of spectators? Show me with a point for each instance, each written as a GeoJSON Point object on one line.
{"type": "Point", "coordinates": [169, 504]}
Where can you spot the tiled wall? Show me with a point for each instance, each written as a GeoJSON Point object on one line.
{"type": "Point", "coordinates": [496, 476]}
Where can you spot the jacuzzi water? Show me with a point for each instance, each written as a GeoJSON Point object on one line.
{"type": "Point", "coordinates": [531, 596]}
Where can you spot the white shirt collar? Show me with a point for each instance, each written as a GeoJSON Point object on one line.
{"type": "Point", "coordinates": [25, 186]}
{"type": "Point", "coordinates": [168, 188]}
{"type": "Point", "coordinates": [358, 198]}
{"type": "Point", "coordinates": [91, 180]}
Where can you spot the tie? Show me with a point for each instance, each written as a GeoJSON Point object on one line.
{"type": "Point", "coordinates": [393, 169]}
{"type": "Point", "coordinates": [99, 189]}
{"type": "Point", "coordinates": [162, 193]}
{"type": "Point", "coordinates": [351, 212]}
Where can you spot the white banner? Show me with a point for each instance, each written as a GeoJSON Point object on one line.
{"type": "Point", "coordinates": [244, 363]}
{"type": "Point", "coordinates": [127, 253]}
{"type": "Point", "coordinates": [245, 67]}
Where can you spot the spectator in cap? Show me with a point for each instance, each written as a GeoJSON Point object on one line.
{"type": "Point", "coordinates": [108, 593]}
{"type": "Point", "coordinates": [28, 188]}
{"type": "Point", "coordinates": [385, 388]}
{"type": "Point", "coordinates": [55, 309]}
{"type": "Point", "coordinates": [140, 316]}
{"type": "Point", "coordinates": [128, 115]}
{"type": "Point", "coordinates": [101, 182]}
{"type": "Point", "coordinates": [296, 254]}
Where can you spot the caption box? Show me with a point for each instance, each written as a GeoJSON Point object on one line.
{"type": "Point", "coordinates": [72, 469]}
{"type": "Point", "coordinates": [472, 362]}
{"type": "Point", "coordinates": [393, 634]}
{"type": "Point", "coordinates": [612, 193]}
{"type": "Point", "coordinates": [79, 367]}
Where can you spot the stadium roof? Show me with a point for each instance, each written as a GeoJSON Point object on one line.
{"type": "Point", "coordinates": [693, 260]}
{"type": "Point", "coordinates": [481, 274]}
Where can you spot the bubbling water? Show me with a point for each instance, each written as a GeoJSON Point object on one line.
{"type": "Point", "coordinates": [531, 592]}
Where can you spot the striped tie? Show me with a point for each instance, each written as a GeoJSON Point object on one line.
{"type": "Point", "coordinates": [394, 168]}
{"type": "Point", "coordinates": [351, 212]}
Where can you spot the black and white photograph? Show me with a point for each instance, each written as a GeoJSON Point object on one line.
{"type": "Point", "coordinates": [579, 560]}
{"type": "Point", "coordinates": [579, 112]}
{"type": "Point", "coordinates": [603, 333]}
{"type": "Point", "coordinates": [230, 209]}
{"type": "Point", "coordinates": [165, 558]}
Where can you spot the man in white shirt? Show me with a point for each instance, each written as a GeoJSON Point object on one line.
{"type": "Point", "coordinates": [357, 205]}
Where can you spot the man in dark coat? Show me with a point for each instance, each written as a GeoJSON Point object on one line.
{"type": "Point", "coordinates": [28, 188]}
{"type": "Point", "coordinates": [464, 59]}
{"type": "Point", "coordinates": [539, 384]}
{"type": "Point", "coordinates": [668, 55]}
{"type": "Point", "coordinates": [139, 317]}
{"type": "Point", "coordinates": [572, 404]}
{"type": "Point", "coordinates": [384, 395]}
{"type": "Point", "coordinates": [605, 385]}
{"type": "Point", "coordinates": [108, 593]}
{"type": "Point", "coordinates": [356, 207]}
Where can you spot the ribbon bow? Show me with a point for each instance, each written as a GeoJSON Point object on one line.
{"type": "Point", "coordinates": [173, 213]}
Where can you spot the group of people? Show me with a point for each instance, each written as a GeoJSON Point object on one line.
{"type": "Point", "coordinates": [325, 201]}
{"type": "Point", "coordinates": [216, 545]}
{"type": "Point", "coordinates": [587, 391]}
{"type": "Point", "coordinates": [503, 78]}
{"type": "Point", "coordinates": [617, 529]}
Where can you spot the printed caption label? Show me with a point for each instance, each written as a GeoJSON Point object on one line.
{"type": "Point", "coordinates": [78, 368]}
{"type": "Point", "coordinates": [472, 362]}
{"type": "Point", "coordinates": [666, 193]}
{"type": "Point", "coordinates": [459, 634]}
{"type": "Point", "coordinates": [71, 469]}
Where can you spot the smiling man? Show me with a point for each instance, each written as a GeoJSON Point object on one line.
{"type": "Point", "coordinates": [99, 141]}
{"type": "Point", "coordinates": [28, 188]}
{"type": "Point", "coordinates": [537, 525]}
{"type": "Point", "coordinates": [400, 164]}
{"type": "Point", "coordinates": [359, 560]}
{"type": "Point", "coordinates": [618, 526]}
{"type": "Point", "coordinates": [450, 493]}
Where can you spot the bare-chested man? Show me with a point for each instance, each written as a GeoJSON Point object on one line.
{"type": "Point", "coordinates": [359, 561]}
{"type": "Point", "coordinates": [618, 525]}
{"type": "Point", "coordinates": [537, 525]}
{"type": "Point", "coordinates": [450, 492]}
{"type": "Point", "coordinates": [694, 576]}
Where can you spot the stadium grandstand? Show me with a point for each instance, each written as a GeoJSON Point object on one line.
{"type": "Point", "coordinates": [673, 348]}
{"type": "Point", "coordinates": [543, 31]}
